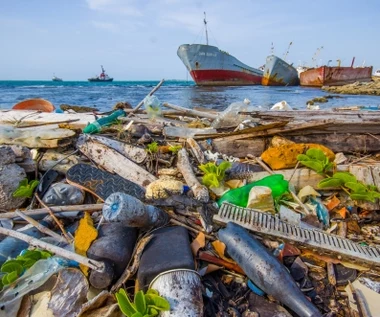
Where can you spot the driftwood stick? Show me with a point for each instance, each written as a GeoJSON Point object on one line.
{"type": "Point", "coordinates": [92, 264]}
{"type": "Point", "coordinates": [56, 209]}
{"type": "Point", "coordinates": [196, 150]}
{"type": "Point", "coordinates": [131, 270]}
{"type": "Point", "coordinates": [69, 240]}
{"type": "Point", "coordinates": [306, 210]}
{"type": "Point", "coordinates": [184, 166]}
{"type": "Point", "coordinates": [150, 94]}
{"type": "Point", "coordinates": [191, 112]}
{"type": "Point", "coordinates": [40, 227]}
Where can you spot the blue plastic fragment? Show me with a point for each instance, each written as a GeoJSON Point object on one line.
{"type": "Point", "coordinates": [255, 289]}
{"type": "Point", "coordinates": [185, 189]}
{"type": "Point", "coordinates": [322, 212]}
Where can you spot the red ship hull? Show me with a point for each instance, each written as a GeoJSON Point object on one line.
{"type": "Point", "coordinates": [334, 76]}
{"type": "Point", "coordinates": [217, 77]}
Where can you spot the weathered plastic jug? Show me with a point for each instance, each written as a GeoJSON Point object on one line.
{"type": "Point", "coordinates": [239, 196]}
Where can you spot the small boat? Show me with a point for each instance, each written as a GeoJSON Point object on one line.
{"type": "Point", "coordinates": [55, 78]}
{"type": "Point", "coordinates": [102, 77]}
{"type": "Point", "coordinates": [335, 76]}
{"type": "Point", "coordinates": [35, 104]}
{"type": "Point", "coordinates": [210, 66]}
{"type": "Point", "coordinates": [376, 73]}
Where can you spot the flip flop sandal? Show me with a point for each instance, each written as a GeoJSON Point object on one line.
{"type": "Point", "coordinates": [101, 183]}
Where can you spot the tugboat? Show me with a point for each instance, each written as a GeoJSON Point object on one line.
{"type": "Point", "coordinates": [102, 77]}
{"type": "Point", "coordinates": [55, 78]}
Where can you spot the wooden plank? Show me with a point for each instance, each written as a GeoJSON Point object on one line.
{"type": "Point", "coordinates": [274, 131]}
{"type": "Point", "coordinates": [114, 162]}
{"type": "Point", "coordinates": [236, 148]}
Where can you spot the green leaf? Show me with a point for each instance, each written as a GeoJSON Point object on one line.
{"type": "Point", "coordinates": [32, 255]}
{"type": "Point", "coordinates": [356, 187]}
{"type": "Point", "coordinates": [152, 291]}
{"type": "Point", "coordinates": [303, 157]}
{"type": "Point", "coordinates": [316, 154]}
{"type": "Point", "coordinates": [345, 177]}
{"type": "Point", "coordinates": [330, 182]}
{"type": "Point", "coordinates": [375, 194]}
{"type": "Point", "coordinates": [124, 303]}
{"type": "Point", "coordinates": [158, 302]}
{"type": "Point", "coordinates": [137, 314]}
{"type": "Point", "coordinates": [152, 311]}
{"type": "Point", "coordinates": [11, 277]}
{"type": "Point", "coordinates": [4, 279]}
{"type": "Point", "coordinates": [29, 263]}
{"type": "Point", "coordinates": [210, 180]}
{"type": "Point", "coordinates": [362, 196]}
{"type": "Point", "coordinates": [314, 165]}
{"type": "Point", "coordinates": [140, 302]}
{"type": "Point", "coordinates": [10, 267]}
{"type": "Point", "coordinates": [24, 189]}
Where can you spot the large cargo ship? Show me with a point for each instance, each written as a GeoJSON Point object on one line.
{"type": "Point", "coordinates": [210, 66]}
{"type": "Point", "coordinates": [334, 76]}
{"type": "Point", "coordinates": [277, 72]}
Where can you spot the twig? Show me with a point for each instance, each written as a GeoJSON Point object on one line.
{"type": "Point", "coordinates": [307, 211]}
{"type": "Point", "coordinates": [131, 270]}
{"type": "Point", "coordinates": [294, 171]}
{"type": "Point", "coordinates": [40, 227]}
{"type": "Point", "coordinates": [92, 264]}
{"type": "Point", "coordinates": [359, 159]}
{"type": "Point", "coordinates": [175, 222]}
{"type": "Point", "coordinates": [56, 209]}
{"type": "Point", "coordinates": [150, 94]}
{"type": "Point", "coordinates": [69, 240]}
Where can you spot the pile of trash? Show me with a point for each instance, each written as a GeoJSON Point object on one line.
{"type": "Point", "coordinates": [142, 213]}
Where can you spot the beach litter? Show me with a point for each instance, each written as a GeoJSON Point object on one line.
{"type": "Point", "coordinates": [172, 211]}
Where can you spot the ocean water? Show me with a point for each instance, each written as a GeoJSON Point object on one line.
{"type": "Point", "coordinates": [184, 93]}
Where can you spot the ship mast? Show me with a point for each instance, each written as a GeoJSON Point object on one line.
{"type": "Point", "coordinates": [287, 52]}
{"type": "Point", "coordinates": [205, 22]}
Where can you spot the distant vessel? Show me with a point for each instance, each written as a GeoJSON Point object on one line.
{"type": "Point", "coordinates": [277, 72]}
{"type": "Point", "coordinates": [55, 78]}
{"type": "Point", "coordinates": [335, 76]}
{"type": "Point", "coordinates": [102, 77]}
{"type": "Point", "coordinates": [210, 66]}
{"type": "Point", "coordinates": [376, 73]}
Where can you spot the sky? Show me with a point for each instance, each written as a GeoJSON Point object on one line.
{"type": "Point", "coordinates": [138, 39]}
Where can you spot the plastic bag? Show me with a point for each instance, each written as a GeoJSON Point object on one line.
{"type": "Point", "coordinates": [281, 106]}
{"type": "Point", "coordinates": [152, 106]}
{"type": "Point", "coordinates": [230, 117]}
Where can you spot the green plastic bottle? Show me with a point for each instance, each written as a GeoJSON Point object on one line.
{"type": "Point", "coordinates": [97, 125]}
{"type": "Point", "coordinates": [239, 196]}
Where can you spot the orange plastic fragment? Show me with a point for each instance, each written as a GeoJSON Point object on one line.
{"type": "Point", "coordinates": [285, 156]}
{"type": "Point", "coordinates": [84, 236]}
{"type": "Point", "coordinates": [220, 247]}
{"type": "Point", "coordinates": [332, 203]}
{"type": "Point", "coordinates": [343, 212]}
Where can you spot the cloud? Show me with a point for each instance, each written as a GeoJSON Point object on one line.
{"type": "Point", "coordinates": [105, 26]}
{"type": "Point", "coordinates": [122, 7]}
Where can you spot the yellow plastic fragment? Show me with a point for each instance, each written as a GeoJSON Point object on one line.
{"type": "Point", "coordinates": [84, 236]}
{"type": "Point", "coordinates": [285, 156]}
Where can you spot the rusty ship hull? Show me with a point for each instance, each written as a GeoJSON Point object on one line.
{"type": "Point", "coordinates": [334, 76]}
{"type": "Point", "coordinates": [210, 66]}
{"type": "Point", "coordinates": [277, 72]}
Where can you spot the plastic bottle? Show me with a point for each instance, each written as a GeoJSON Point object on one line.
{"type": "Point", "coordinates": [97, 125]}
{"type": "Point", "coordinates": [264, 270]}
{"type": "Point", "coordinates": [239, 196]}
